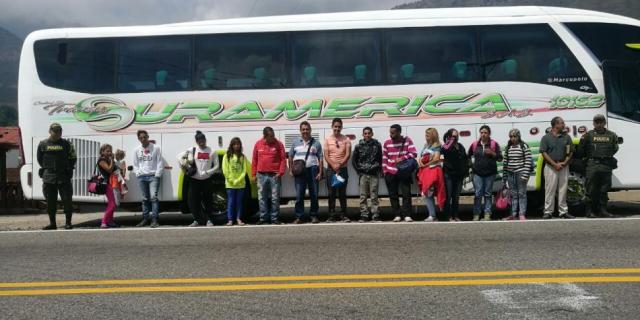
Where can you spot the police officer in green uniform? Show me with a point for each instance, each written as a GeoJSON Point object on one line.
{"type": "Point", "coordinates": [598, 147]}
{"type": "Point", "coordinates": [57, 160]}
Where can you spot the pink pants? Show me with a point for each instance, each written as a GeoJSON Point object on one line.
{"type": "Point", "coordinates": [111, 206]}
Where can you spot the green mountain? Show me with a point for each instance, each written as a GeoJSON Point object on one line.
{"type": "Point", "coordinates": [622, 7]}
{"type": "Point", "coordinates": [9, 57]}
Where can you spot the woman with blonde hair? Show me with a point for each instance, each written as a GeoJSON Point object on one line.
{"type": "Point", "coordinates": [106, 166]}
{"type": "Point", "coordinates": [430, 176]}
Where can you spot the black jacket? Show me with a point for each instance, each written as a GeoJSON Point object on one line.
{"type": "Point", "coordinates": [456, 161]}
{"type": "Point", "coordinates": [57, 160]}
{"type": "Point", "coordinates": [367, 157]}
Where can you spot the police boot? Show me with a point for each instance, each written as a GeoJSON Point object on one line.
{"type": "Point", "coordinates": [605, 214]}
{"type": "Point", "coordinates": [68, 224]}
{"type": "Point", "coordinates": [589, 213]}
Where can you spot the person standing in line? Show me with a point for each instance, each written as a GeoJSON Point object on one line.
{"type": "Point", "coordinates": [395, 150]}
{"type": "Point", "coordinates": [367, 160]}
{"type": "Point", "coordinates": [235, 167]}
{"type": "Point", "coordinates": [337, 149]}
{"type": "Point", "coordinates": [107, 167]}
{"type": "Point", "coordinates": [598, 146]}
{"type": "Point", "coordinates": [305, 165]}
{"type": "Point", "coordinates": [455, 170]}
{"type": "Point", "coordinates": [484, 154]}
{"type": "Point", "coordinates": [517, 169]}
{"type": "Point", "coordinates": [430, 176]}
{"type": "Point", "coordinates": [268, 165]}
{"type": "Point", "coordinates": [57, 160]}
{"type": "Point", "coordinates": [118, 177]}
{"type": "Point", "coordinates": [556, 148]}
{"type": "Point", "coordinates": [148, 167]}
{"type": "Point", "coordinates": [203, 162]}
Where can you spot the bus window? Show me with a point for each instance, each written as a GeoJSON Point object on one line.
{"type": "Point", "coordinates": [608, 41]}
{"type": "Point", "coordinates": [83, 65]}
{"type": "Point", "coordinates": [337, 58]}
{"type": "Point", "coordinates": [153, 64]}
{"type": "Point", "coordinates": [241, 61]}
{"type": "Point", "coordinates": [622, 83]}
{"type": "Point", "coordinates": [431, 55]}
{"type": "Point", "coordinates": [530, 53]}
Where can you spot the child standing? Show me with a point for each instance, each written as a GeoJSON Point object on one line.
{"type": "Point", "coordinates": [117, 179]}
{"type": "Point", "coordinates": [235, 167]}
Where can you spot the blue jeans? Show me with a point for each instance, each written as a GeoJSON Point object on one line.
{"type": "Point", "coordinates": [483, 187]}
{"type": "Point", "coordinates": [518, 189]}
{"type": "Point", "coordinates": [269, 196]}
{"type": "Point", "coordinates": [302, 182]}
{"type": "Point", "coordinates": [149, 185]}
{"type": "Point", "coordinates": [454, 187]}
{"type": "Point", "coordinates": [234, 204]}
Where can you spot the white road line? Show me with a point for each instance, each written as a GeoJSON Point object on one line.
{"type": "Point", "coordinates": [321, 225]}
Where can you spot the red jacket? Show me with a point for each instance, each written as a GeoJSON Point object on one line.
{"type": "Point", "coordinates": [429, 177]}
{"type": "Point", "coordinates": [268, 157]}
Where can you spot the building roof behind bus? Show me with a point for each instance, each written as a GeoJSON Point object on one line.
{"type": "Point", "coordinates": [348, 20]}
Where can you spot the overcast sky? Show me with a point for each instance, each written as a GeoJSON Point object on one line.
{"type": "Point", "coordinates": [23, 16]}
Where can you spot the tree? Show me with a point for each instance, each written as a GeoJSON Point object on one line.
{"type": "Point", "coordinates": [8, 116]}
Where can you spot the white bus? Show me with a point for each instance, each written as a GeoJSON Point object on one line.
{"type": "Point", "coordinates": [445, 68]}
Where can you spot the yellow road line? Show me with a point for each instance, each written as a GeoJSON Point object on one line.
{"type": "Point", "coordinates": [322, 285]}
{"type": "Point", "coordinates": [321, 277]}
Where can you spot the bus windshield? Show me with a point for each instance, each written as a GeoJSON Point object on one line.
{"type": "Point", "coordinates": [608, 41]}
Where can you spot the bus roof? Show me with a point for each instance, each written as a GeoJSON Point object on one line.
{"type": "Point", "coordinates": [348, 20]}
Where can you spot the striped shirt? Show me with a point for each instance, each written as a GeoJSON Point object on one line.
{"type": "Point", "coordinates": [393, 152]}
{"type": "Point", "coordinates": [517, 159]}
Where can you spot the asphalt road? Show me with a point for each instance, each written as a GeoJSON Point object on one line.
{"type": "Point", "coordinates": [563, 270]}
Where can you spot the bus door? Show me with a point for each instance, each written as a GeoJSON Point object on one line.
{"type": "Point", "coordinates": [622, 90]}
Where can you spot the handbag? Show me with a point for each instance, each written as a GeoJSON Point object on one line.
{"type": "Point", "coordinates": [191, 167]}
{"type": "Point", "coordinates": [96, 183]}
{"type": "Point", "coordinates": [298, 167]}
{"type": "Point", "coordinates": [406, 167]}
{"type": "Point", "coordinates": [503, 199]}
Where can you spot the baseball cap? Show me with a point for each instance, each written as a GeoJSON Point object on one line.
{"type": "Point", "coordinates": [55, 127]}
{"type": "Point", "coordinates": [599, 117]}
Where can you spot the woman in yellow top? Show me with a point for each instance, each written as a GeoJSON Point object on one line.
{"type": "Point", "coordinates": [235, 168]}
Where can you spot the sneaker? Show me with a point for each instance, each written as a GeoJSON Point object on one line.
{"type": "Point", "coordinates": [314, 220]}
{"type": "Point", "coordinates": [522, 217]}
{"type": "Point", "coordinates": [104, 226]}
{"type": "Point", "coordinates": [209, 223]}
{"type": "Point", "coordinates": [429, 219]}
{"type": "Point", "coordinates": [276, 222]}
{"type": "Point", "coordinates": [229, 223]}
{"type": "Point", "coordinates": [591, 215]}
{"type": "Point", "coordinates": [330, 219]}
{"type": "Point", "coordinates": [297, 221]}
{"type": "Point", "coordinates": [113, 225]}
{"type": "Point", "coordinates": [547, 216]}
{"type": "Point", "coordinates": [260, 222]}
{"type": "Point", "coordinates": [487, 216]}
{"type": "Point", "coordinates": [142, 223]}
{"type": "Point", "coordinates": [397, 219]}
{"type": "Point", "coordinates": [509, 218]}
{"type": "Point", "coordinates": [50, 227]}
{"type": "Point", "coordinates": [240, 223]}
{"type": "Point", "coordinates": [476, 217]}
{"type": "Point", "coordinates": [154, 223]}
{"type": "Point", "coordinates": [194, 224]}
{"type": "Point", "coordinates": [456, 219]}
{"type": "Point", "coordinates": [376, 219]}
{"type": "Point", "coordinates": [408, 219]}
{"type": "Point", "coordinates": [345, 219]}
{"type": "Point", "coordinates": [68, 226]}
{"type": "Point", "coordinates": [566, 216]}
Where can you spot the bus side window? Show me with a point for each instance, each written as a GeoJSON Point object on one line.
{"type": "Point", "coordinates": [406, 73]}
{"type": "Point", "coordinates": [261, 78]}
{"type": "Point", "coordinates": [506, 70]}
{"type": "Point", "coordinates": [309, 76]}
{"type": "Point", "coordinates": [558, 67]}
{"type": "Point", "coordinates": [459, 71]}
{"type": "Point", "coordinates": [360, 74]}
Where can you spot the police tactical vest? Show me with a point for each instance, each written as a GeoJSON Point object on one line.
{"type": "Point", "coordinates": [601, 144]}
